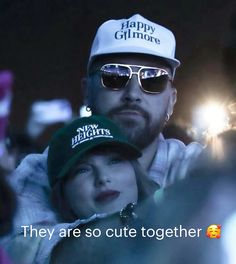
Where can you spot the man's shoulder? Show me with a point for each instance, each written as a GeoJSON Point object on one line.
{"type": "Point", "coordinates": [177, 148]}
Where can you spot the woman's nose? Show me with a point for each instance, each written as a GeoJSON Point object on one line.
{"type": "Point", "coordinates": [102, 177]}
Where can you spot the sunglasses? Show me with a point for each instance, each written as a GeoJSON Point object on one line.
{"type": "Point", "coordinates": [151, 79]}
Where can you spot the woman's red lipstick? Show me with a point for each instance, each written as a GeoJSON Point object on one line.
{"type": "Point", "coordinates": [107, 196]}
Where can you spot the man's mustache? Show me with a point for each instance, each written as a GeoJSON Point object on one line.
{"type": "Point", "coordinates": [129, 107]}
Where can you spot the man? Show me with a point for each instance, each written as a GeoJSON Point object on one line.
{"type": "Point", "coordinates": [135, 89]}
{"type": "Point", "coordinates": [130, 79]}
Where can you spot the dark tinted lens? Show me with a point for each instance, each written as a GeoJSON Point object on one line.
{"type": "Point", "coordinates": [115, 76]}
{"type": "Point", "coordinates": [155, 84]}
{"type": "Point", "coordinates": [153, 80]}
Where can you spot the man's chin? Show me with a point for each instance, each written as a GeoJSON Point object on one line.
{"type": "Point", "coordinates": [136, 135]}
{"type": "Point", "coordinates": [137, 130]}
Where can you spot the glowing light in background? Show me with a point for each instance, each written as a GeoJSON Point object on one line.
{"type": "Point", "coordinates": [210, 119]}
{"type": "Point", "coordinates": [216, 117]}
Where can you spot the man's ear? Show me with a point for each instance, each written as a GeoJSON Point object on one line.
{"type": "Point", "coordinates": [172, 100]}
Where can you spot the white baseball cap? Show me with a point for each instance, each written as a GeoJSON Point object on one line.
{"type": "Point", "coordinates": [134, 35]}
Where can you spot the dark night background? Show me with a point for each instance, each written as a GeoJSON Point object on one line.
{"type": "Point", "coordinates": [46, 44]}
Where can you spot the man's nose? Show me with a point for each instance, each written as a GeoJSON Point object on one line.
{"type": "Point", "coordinates": [132, 91]}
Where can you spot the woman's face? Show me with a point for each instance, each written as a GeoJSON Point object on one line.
{"type": "Point", "coordinates": [101, 183]}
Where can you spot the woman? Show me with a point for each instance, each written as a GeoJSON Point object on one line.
{"type": "Point", "coordinates": [93, 169]}
{"type": "Point", "coordinates": [94, 173]}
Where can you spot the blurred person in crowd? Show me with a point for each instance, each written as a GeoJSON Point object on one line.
{"type": "Point", "coordinates": [11, 145]}
{"type": "Point", "coordinates": [45, 117]}
{"type": "Point", "coordinates": [19, 144]}
{"type": "Point", "coordinates": [7, 161]}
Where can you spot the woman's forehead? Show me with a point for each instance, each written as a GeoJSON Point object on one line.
{"type": "Point", "coordinates": [103, 151]}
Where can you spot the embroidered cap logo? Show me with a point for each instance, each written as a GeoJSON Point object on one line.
{"type": "Point", "coordinates": [89, 132]}
{"type": "Point", "coordinates": [139, 30]}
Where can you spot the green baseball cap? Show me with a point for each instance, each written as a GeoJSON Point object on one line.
{"type": "Point", "coordinates": [72, 141]}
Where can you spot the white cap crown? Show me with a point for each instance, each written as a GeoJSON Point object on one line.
{"type": "Point", "coordinates": [135, 35]}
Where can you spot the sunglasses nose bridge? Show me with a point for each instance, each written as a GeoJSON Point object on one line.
{"type": "Point", "coordinates": [137, 73]}
{"type": "Point", "coordinates": [133, 91]}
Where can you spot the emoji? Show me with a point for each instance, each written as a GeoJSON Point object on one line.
{"type": "Point", "coordinates": [213, 231]}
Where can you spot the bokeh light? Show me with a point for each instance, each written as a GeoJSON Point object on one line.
{"type": "Point", "coordinates": [210, 119]}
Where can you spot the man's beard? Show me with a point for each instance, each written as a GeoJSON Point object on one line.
{"type": "Point", "coordinates": [141, 134]}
